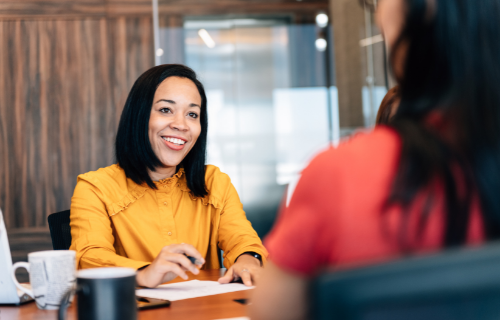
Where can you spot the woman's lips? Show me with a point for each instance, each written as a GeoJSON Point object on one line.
{"type": "Point", "coordinates": [173, 146]}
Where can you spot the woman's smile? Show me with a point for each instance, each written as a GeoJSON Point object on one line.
{"type": "Point", "coordinates": [174, 143]}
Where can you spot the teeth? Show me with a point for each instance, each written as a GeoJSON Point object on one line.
{"type": "Point", "coordinates": [174, 140]}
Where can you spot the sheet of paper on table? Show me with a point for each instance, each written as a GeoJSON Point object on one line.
{"type": "Point", "coordinates": [189, 289]}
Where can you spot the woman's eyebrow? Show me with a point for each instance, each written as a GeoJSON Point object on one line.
{"type": "Point", "coordinates": [165, 100]}
{"type": "Point", "coordinates": [173, 102]}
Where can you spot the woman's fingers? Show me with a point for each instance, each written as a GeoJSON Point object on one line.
{"type": "Point", "coordinates": [256, 275]}
{"type": "Point", "coordinates": [176, 269]}
{"type": "Point", "coordinates": [170, 263]}
{"type": "Point", "coordinates": [246, 277]}
{"type": "Point", "coordinates": [228, 277]}
{"type": "Point", "coordinates": [160, 272]}
{"type": "Point", "coordinates": [234, 273]}
{"type": "Point", "coordinates": [189, 250]}
{"type": "Point", "coordinates": [247, 274]}
{"type": "Point", "coordinates": [183, 261]}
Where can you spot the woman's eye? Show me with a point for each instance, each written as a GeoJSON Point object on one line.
{"type": "Point", "coordinates": [193, 115]}
{"type": "Point", "coordinates": [165, 110]}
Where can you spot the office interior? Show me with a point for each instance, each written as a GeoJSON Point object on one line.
{"type": "Point", "coordinates": [284, 79]}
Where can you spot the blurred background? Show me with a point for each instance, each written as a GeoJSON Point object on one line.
{"type": "Point", "coordinates": [284, 79]}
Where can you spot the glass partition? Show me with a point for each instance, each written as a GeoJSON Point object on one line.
{"type": "Point", "coordinates": [271, 102]}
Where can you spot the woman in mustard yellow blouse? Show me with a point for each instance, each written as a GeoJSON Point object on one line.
{"type": "Point", "coordinates": [160, 201]}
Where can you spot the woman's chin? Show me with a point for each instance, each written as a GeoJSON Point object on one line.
{"type": "Point", "coordinates": [170, 163]}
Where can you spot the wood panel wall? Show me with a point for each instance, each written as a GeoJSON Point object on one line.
{"type": "Point", "coordinates": [239, 7]}
{"type": "Point", "coordinates": [108, 8]}
{"type": "Point", "coordinates": [63, 84]}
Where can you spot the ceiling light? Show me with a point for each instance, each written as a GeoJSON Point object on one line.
{"type": "Point", "coordinates": [205, 36]}
{"type": "Point", "coordinates": [320, 44]}
{"type": "Point", "coordinates": [372, 40]}
{"type": "Point", "coordinates": [159, 52]}
{"type": "Point", "coordinates": [321, 20]}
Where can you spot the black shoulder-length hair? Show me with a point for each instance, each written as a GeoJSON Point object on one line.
{"type": "Point", "coordinates": [132, 146]}
{"type": "Point", "coordinates": [452, 66]}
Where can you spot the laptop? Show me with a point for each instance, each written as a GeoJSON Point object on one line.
{"type": "Point", "coordinates": [9, 294]}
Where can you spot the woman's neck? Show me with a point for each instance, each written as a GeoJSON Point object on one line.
{"type": "Point", "coordinates": [161, 173]}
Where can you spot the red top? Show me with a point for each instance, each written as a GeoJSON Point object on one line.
{"type": "Point", "coordinates": [335, 215]}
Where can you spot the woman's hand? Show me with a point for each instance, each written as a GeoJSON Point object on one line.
{"type": "Point", "coordinates": [246, 268]}
{"type": "Point", "coordinates": [170, 263]}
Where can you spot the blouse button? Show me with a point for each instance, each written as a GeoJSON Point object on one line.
{"type": "Point", "coordinates": [170, 233]}
{"type": "Point", "coordinates": [165, 203]}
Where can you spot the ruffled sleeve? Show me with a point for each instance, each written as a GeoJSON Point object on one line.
{"type": "Point", "coordinates": [91, 230]}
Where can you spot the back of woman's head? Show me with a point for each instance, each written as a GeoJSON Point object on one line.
{"type": "Point", "coordinates": [451, 68]}
{"type": "Point", "coordinates": [132, 145]}
{"type": "Point", "coordinates": [388, 106]}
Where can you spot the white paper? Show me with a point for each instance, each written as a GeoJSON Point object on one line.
{"type": "Point", "coordinates": [189, 289]}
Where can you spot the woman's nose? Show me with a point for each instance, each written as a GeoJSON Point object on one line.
{"type": "Point", "coordinates": [179, 123]}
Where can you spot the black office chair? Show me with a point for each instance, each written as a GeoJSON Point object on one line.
{"type": "Point", "coordinates": [60, 231]}
{"type": "Point", "coordinates": [455, 285]}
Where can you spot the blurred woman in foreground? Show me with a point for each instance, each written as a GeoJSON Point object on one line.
{"type": "Point", "coordinates": [429, 181]}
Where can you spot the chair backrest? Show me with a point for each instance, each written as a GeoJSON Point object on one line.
{"type": "Point", "coordinates": [60, 231]}
{"type": "Point", "coordinates": [458, 284]}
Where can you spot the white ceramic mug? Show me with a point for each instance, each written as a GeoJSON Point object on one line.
{"type": "Point", "coordinates": [52, 274]}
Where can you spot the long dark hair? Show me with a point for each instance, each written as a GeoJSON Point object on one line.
{"type": "Point", "coordinates": [132, 147]}
{"type": "Point", "coordinates": [452, 66]}
{"type": "Point", "coordinates": [387, 105]}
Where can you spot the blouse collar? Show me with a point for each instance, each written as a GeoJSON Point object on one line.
{"type": "Point", "coordinates": [167, 183]}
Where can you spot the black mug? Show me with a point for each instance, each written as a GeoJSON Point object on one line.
{"type": "Point", "coordinates": [103, 294]}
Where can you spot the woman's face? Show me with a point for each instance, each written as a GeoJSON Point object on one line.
{"type": "Point", "coordinates": [390, 19]}
{"type": "Point", "coordinates": [174, 124]}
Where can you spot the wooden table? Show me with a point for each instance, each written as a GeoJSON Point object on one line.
{"type": "Point", "coordinates": [205, 308]}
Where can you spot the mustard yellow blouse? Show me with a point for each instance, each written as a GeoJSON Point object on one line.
{"type": "Point", "coordinates": [116, 222]}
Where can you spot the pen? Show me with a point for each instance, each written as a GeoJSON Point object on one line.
{"type": "Point", "coordinates": [194, 260]}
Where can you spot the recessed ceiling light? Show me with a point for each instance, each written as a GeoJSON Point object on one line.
{"type": "Point", "coordinates": [320, 44]}
{"type": "Point", "coordinates": [321, 20]}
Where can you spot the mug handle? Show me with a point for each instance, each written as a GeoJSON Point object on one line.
{"type": "Point", "coordinates": [61, 314]}
{"type": "Point", "coordinates": [65, 301]}
{"type": "Point", "coordinates": [26, 266]}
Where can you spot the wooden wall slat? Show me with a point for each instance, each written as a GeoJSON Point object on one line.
{"type": "Point", "coordinates": [4, 162]}
{"type": "Point", "coordinates": [63, 84]}
{"type": "Point", "coordinates": [220, 7]}
{"type": "Point", "coordinates": [17, 9]}
{"type": "Point", "coordinates": [73, 8]}
{"type": "Point", "coordinates": [10, 9]}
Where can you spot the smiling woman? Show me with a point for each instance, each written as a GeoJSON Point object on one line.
{"type": "Point", "coordinates": [160, 202]}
